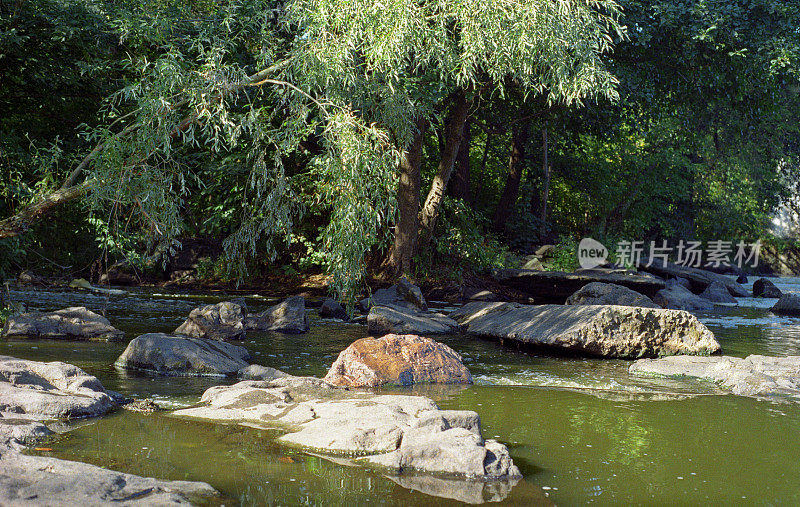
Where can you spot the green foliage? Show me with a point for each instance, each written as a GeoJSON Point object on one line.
{"type": "Point", "coordinates": [565, 255]}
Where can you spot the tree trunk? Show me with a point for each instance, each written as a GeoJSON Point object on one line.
{"type": "Point", "coordinates": [24, 218]}
{"type": "Point", "coordinates": [516, 163]}
{"type": "Point", "coordinates": [454, 131]}
{"type": "Point", "coordinates": [406, 230]}
{"type": "Point", "coordinates": [460, 187]}
{"type": "Point", "coordinates": [546, 189]}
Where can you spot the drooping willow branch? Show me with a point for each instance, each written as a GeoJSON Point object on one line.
{"type": "Point", "coordinates": [70, 189]}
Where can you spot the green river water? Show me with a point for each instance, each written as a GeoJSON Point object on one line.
{"type": "Point", "coordinates": [580, 430]}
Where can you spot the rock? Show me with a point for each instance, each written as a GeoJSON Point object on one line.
{"type": "Point", "coordinates": [788, 304]}
{"type": "Point", "coordinates": [699, 278]}
{"type": "Point", "coordinates": [18, 433]}
{"type": "Point", "coordinates": [398, 360]}
{"type": "Point", "coordinates": [258, 372]}
{"type": "Point", "coordinates": [556, 286]}
{"type": "Point", "coordinates": [286, 317]}
{"type": "Point", "coordinates": [741, 279]}
{"type": "Point", "coordinates": [477, 294]}
{"type": "Point", "coordinates": [147, 406]}
{"type": "Point", "coordinates": [683, 282]}
{"type": "Point", "coordinates": [182, 356]}
{"type": "Point", "coordinates": [50, 390]}
{"type": "Point", "coordinates": [678, 297]}
{"type": "Point", "coordinates": [532, 262]}
{"type": "Point", "coordinates": [598, 293]}
{"type": "Point", "coordinates": [753, 376]}
{"type": "Point", "coordinates": [28, 480]}
{"type": "Point", "coordinates": [399, 432]}
{"type": "Point", "coordinates": [331, 309]}
{"type": "Point", "coordinates": [221, 321]}
{"type": "Point", "coordinates": [119, 274]}
{"type": "Point", "coordinates": [391, 319]}
{"type": "Point", "coordinates": [717, 293]}
{"type": "Point", "coordinates": [81, 283]}
{"type": "Point", "coordinates": [75, 323]}
{"type": "Point", "coordinates": [469, 492]}
{"type": "Point", "coordinates": [763, 288]}
{"type": "Point", "coordinates": [28, 277]}
{"type": "Point", "coordinates": [404, 294]}
{"type": "Point", "coordinates": [598, 330]}
{"type": "Point", "coordinates": [545, 251]}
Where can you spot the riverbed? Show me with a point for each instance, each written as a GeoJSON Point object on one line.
{"type": "Point", "coordinates": [581, 430]}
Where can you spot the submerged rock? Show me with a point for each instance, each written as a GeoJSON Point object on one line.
{"type": "Point", "coordinates": [81, 283]}
{"type": "Point", "coordinates": [392, 319]}
{"type": "Point", "coordinates": [75, 323]}
{"type": "Point", "coordinates": [717, 293]}
{"type": "Point", "coordinates": [221, 321]}
{"type": "Point", "coordinates": [753, 376]}
{"type": "Point", "coordinates": [763, 288]}
{"type": "Point", "coordinates": [398, 360]}
{"type": "Point", "coordinates": [678, 297]}
{"type": "Point", "coordinates": [288, 316]}
{"type": "Point", "coordinates": [258, 372]}
{"type": "Point", "coordinates": [788, 304]}
{"type": "Point", "coordinates": [600, 330]}
{"type": "Point", "coordinates": [598, 293]}
{"type": "Point", "coordinates": [38, 480]}
{"type": "Point", "coordinates": [469, 492]}
{"type": "Point", "coordinates": [183, 356]}
{"type": "Point", "coordinates": [331, 309]}
{"type": "Point", "coordinates": [396, 432]}
{"type": "Point", "coordinates": [50, 390]}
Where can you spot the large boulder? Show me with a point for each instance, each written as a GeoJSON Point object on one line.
{"type": "Point", "coordinates": [383, 320]}
{"type": "Point", "coordinates": [332, 309]}
{"type": "Point", "coordinates": [183, 356]}
{"type": "Point", "coordinates": [788, 304]}
{"type": "Point", "coordinates": [717, 293]}
{"type": "Point", "coordinates": [598, 330]}
{"type": "Point", "coordinates": [398, 360]}
{"type": "Point", "coordinates": [753, 376]}
{"type": "Point", "coordinates": [288, 316]}
{"type": "Point", "coordinates": [403, 433]}
{"type": "Point", "coordinates": [699, 278]}
{"type": "Point", "coordinates": [404, 294]}
{"type": "Point", "coordinates": [75, 323]}
{"type": "Point", "coordinates": [556, 286]}
{"type": "Point", "coordinates": [598, 293]}
{"type": "Point", "coordinates": [763, 288]}
{"type": "Point", "coordinates": [221, 321]}
{"type": "Point", "coordinates": [37, 480]}
{"type": "Point", "coordinates": [678, 297]}
{"type": "Point", "coordinates": [50, 390]}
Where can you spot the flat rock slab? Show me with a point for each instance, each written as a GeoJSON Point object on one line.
{"type": "Point", "coordinates": [391, 431]}
{"type": "Point", "coordinates": [75, 323]}
{"type": "Point", "coordinates": [221, 321]}
{"type": "Point", "coordinates": [383, 320]}
{"type": "Point", "coordinates": [289, 317]}
{"type": "Point", "coordinates": [36, 480]}
{"type": "Point", "coordinates": [183, 356]}
{"type": "Point", "coordinates": [598, 330]}
{"type": "Point", "coordinates": [397, 360]}
{"type": "Point", "coordinates": [700, 279]}
{"type": "Point", "coordinates": [557, 286]}
{"type": "Point", "coordinates": [758, 376]}
{"type": "Point", "coordinates": [50, 390]}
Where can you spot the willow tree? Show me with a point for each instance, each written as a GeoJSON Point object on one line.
{"type": "Point", "coordinates": [358, 80]}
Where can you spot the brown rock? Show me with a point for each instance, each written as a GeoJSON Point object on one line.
{"type": "Point", "coordinates": [397, 359]}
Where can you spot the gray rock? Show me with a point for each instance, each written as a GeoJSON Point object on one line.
{"type": "Point", "coordinates": [258, 372]}
{"type": "Point", "coordinates": [788, 304]}
{"type": "Point", "coordinates": [717, 293]}
{"type": "Point", "coordinates": [683, 282]}
{"type": "Point", "coordinates": [763, 288]}
{"type": "Point", "coordinates": [18, 433]}
{"type": "Point", "coordinates": [399, 432]}
{"type": "Point", "coordinates": [678, 297]}
{"type": "Point", "coordinates": [470, 492]}
{"type": "Point", "coordinates": [404, 294]}
{"type": "Point", "coordinates": [600, 330]}
{"type": "Point", "coordinates": [76, 323]}
{"type": "Point", "coordinates": [331, 309]}
{"type": "Point", "coordinates": [741, 279]}
{"type": "Point", "coordinates": [221, 321]}
{"type": "Point", "coordinates": [50, 390]}
{"type": "Point", "coordinates": [398, 320]}
{"type": "Point", "coordinates": [183, 356]}
{"type": "Point", "coordinates": [288, 316]}
{"type": "Point", "coordinates": [598, 293]}
{"type": "Point", "coordinates": [532, 262]}
{"type": "Point", "coordinates": [755, 375]}
{"type": "Point", "coordinates": [36, 480]}
{"type": "Point", "coordinates": [699, 278]}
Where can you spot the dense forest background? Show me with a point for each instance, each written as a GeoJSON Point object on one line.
{"type": "Point", "coordinates": [356, 138]}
